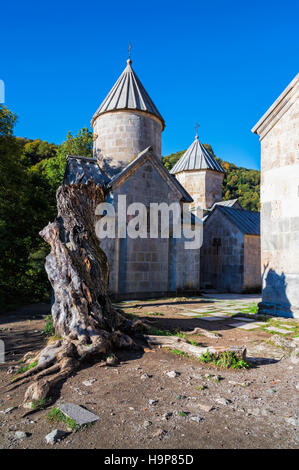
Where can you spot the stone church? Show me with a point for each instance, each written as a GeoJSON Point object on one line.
{"type": "Point", "coordinates": [278, 130]}
{"type": "Point", "coordinates": [127, 129]}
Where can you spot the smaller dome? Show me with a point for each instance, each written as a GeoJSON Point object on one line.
{"type": "Point", "coordinates": [128, 93]}
{"type": "Point", "coordinates": [196, 157]}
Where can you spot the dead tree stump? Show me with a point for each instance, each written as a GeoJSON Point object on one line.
{"type": "Point", "coordinates": [83, 315]}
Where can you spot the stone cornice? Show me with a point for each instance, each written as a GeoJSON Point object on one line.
{"type": "Point", "coordinates": [287, 98]}
{"type": "Point", "coordinates": [129, 111]}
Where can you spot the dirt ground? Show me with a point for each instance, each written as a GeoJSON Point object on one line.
{"type": "Point", "coordinates": [139, 406]}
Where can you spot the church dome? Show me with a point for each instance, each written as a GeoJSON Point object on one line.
{"type": "Point", "coordinates": [196, 157]}
{"type": "Point", "coordinates": [126, 123]}
{"type": "Point", "coordinates": [128, 93]}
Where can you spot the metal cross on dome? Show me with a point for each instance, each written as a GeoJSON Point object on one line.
{"type": "Point", "coordinates": [130, 47]}
{"type": "Point", "coordinates": [196, 128]}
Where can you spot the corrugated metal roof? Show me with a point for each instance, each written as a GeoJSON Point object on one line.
{"type": "Point", "coordinates": [128, 93]}
{"type": "Point", "coordinates": [82, 169]}
{"type": "Point", "coordinates": [186, 196]}
{"type": "Point", "coordinates": [196, 157]}
{"type": "Point", "coordinates": [247, 221]}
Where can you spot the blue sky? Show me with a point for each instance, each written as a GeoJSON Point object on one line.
{"type": "Point", "coordinates": [219, 63]}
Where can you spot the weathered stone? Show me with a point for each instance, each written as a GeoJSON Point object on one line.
{"type": "Point", "coordinates": [293, 421]}
{"type": "Point", "coordinates": [8, 410]}
{"type": "Point", "coordinates": [283, 342]}
{"type": "Point", "coordinates": [88, 383]}
{"type": "Point", "coordinates": [172, 374]}
{"type": "Point", "coordinates": [80, 415]}
{"type": "Point", "coordinates": [146, 424]}
{"type": "Point", "coordinates": [223, 401]}
{"type": "Point", "coordinates": [197, 419]}
{"type": "Point", "coordinates": [153, 402]}
{"type": "Point", "coordinates": [160, 433]}
{"type": "Point", "coordinates": [206, 408]}
{"type": "Point", "coordinates": [278, 330]}
{"type": "Point", "coordinates": [20, 435]}
{"type": "Point", "coordinates": [145, 376]}
{"type": "Point", "coordinates": [55, 436]}
{"type": "Point", "coordinates": [111, 360]}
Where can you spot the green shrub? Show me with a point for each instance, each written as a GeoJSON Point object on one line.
{"type": "Point", "coordinates": [225, 360]}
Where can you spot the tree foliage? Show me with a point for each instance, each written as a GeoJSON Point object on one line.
{"type": "Point", "coordinates": [80, 144]}
{"type": "Point", "coordinates": [30, 172]}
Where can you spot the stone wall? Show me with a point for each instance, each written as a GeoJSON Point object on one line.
{"type": "Point", "coordinates": [252, 263]}
{"type": "Point", "coordinates": [204, 186]}
{"type": "Point", "coordinates": [279, 135]}
{"type": "Point", "coordinates": [222, 255]}
{"type": "Point", "coordinates": [149, 267]}
{"type": "Point", "coordinates": [120, 136]}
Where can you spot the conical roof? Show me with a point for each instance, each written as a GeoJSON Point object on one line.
{"type": "Point", "coordinates": [196, 157]}
{"type": "Point", "coordinates": [128, 93]}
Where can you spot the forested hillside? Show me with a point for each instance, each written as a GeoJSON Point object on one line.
{"type": "Point", "coordinates": [30, 171]}
{"type": "Point", "coordinates": [238, 182]}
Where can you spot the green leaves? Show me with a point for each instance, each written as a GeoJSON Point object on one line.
{"type": "Point", "coordinates": [31, 171]}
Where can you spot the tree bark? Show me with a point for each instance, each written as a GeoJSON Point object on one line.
{"type": "Point", "coordinates": [180, 344]}
{"type": "Point", "coordinates": [83, 315]}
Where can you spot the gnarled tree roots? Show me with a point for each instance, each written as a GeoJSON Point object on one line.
{"type": "Point", "coordinates": [61, 358]}
{"type": "Point", "coordinates": [83, 315]}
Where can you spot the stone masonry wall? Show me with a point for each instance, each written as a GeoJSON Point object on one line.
{"type": "Point", "coordinates": [222, 267]}
{"type": "Point", "coordinates": [252, 263]}
{"type": "Point", "coordinates": [120, 136]}
{"type": "Point", "coordinates": [204, 186]}
{"type": "Point", "coordinates": [280, 214]}
{"type": "Point", "coordinates": [143, 267]}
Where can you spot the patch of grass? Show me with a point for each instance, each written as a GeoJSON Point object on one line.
{"type": "Point", "coordinates": [251, 308]}
{"type": "Point", "coordinates": [181, 335]}
{"type": "Point", "coordinates": [40, 404]}
{"type": "Point", "coordinates": [56, 416]}
{"type": "Point", "coordinates": [265, 318]}
{"type": "Point", "coordinates": [281, 324]}
{"type": "Point", "coordinates": [225, 360]}
{"type": "Point", "coordinates": [49, 329]}
{"type": "Point", "coordinates": [194, 343]}
{"type": "Point", "coordinates": [182, 413]}
{"type": "Point", "coordinates": [157, 332]}
{"type": "Point", "coordinates": [177, 352]}
{"type": "Point", "coordinates": [23, 369]}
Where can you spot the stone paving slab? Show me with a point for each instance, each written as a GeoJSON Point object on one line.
{"type": "Point", "coordinates": [188, 314]}
{"type": "Point", "coordinates": [247, 326]}
{"type": "Point", "coordinates": [80, 415]}
{"type": "Point", "coordinates": [278, 330]}
{"type": "Point", "coordinates": [213, 318]}
{"type": "Point", "coordinates": [243, 319]}
{"type": "Point", "coordinates": [287, 326]}
{"type": "Point", "coordinates": [219, 314]}
{"type": "Point", "coordinates": [214, 314]}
